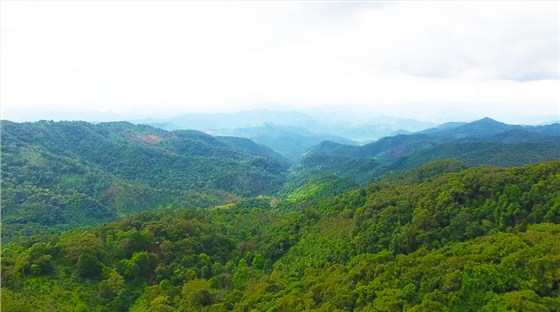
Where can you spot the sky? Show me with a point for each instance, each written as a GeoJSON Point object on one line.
{"type": "Point", "coordinates": [433, 61]}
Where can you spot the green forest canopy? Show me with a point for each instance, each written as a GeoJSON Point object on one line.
{"type": "Point", "coordinates": [477, 239]}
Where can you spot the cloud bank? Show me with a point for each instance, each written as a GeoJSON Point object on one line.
{"type": "Point", "coordinates": [153, 59]}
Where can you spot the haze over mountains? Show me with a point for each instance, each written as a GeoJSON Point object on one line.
{"type": "Point", "coordinates": [289, 141]}
{"type": "Point", "coordinates": [68, 174]}
{"type": "Point", "coordinates": [241, 156]}
{"type": "Point", "coordinates": [481, 142]}
{"type": "Point", "coordinates": [206, 219]}
{"type": "Point", "coordinates": [290, 133]}
{"type": "Point", "coordinates": [357, 125]}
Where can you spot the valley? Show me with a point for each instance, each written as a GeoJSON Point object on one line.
{"type": "Point", "coordinates": [123, 217]}
{"type": "Point", "coordinates": [279, 156]}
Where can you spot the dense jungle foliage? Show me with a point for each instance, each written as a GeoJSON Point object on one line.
{"type": "Point", "coordinates": [61, 175]}
{"type": "Point", "coordinates": [437, 238]}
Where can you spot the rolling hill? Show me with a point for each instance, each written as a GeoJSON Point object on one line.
{"type": "Point", "coordinates": [67, 174]}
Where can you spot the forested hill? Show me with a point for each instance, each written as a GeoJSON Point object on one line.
{"type": "Point", "coordinates": [75, 173]}
{"type": "Point", "coordinates": [439, 238]}
{"type": "Point", "coordinates": [482, 142]}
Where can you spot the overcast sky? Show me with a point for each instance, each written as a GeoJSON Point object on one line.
{"type": "Point", "coordinates": [433, 61]}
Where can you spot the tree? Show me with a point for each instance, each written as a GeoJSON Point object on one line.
{"type": "Point", "coordinates": [88, 265]}
{"type": "Point", "coordinates": [113, 285]}
{"type": "Point", "coordinates": [196, 294]}
{"type": "Point", "coordinates": [240, 278]}
{"type": "Point", "coordinates": [259, 261]}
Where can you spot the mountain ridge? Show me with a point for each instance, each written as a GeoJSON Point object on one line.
{"type": "Point", "coordinates": [484, 141]}
{"type": "Point", "coordinates": [354, 125]}
{"type": "Point", "coordinates": [75, 173]}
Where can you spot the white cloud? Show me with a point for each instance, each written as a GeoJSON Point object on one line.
{"type": "Point", "coordinates": [166, 58]}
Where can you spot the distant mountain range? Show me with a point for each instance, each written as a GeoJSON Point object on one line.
{"type": "Point", "coordinates": [290, 133]}
{"type": "Point", "coordinates": [482, 142]}
{"type": "Point", "coordinates": [222, 223]}
{"type": "Point", "coordinates": [68, 174]}
{"type": "Point", "coordinates": [207, 122]}
{"type": "Point", "coordinates": [289, 141]}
